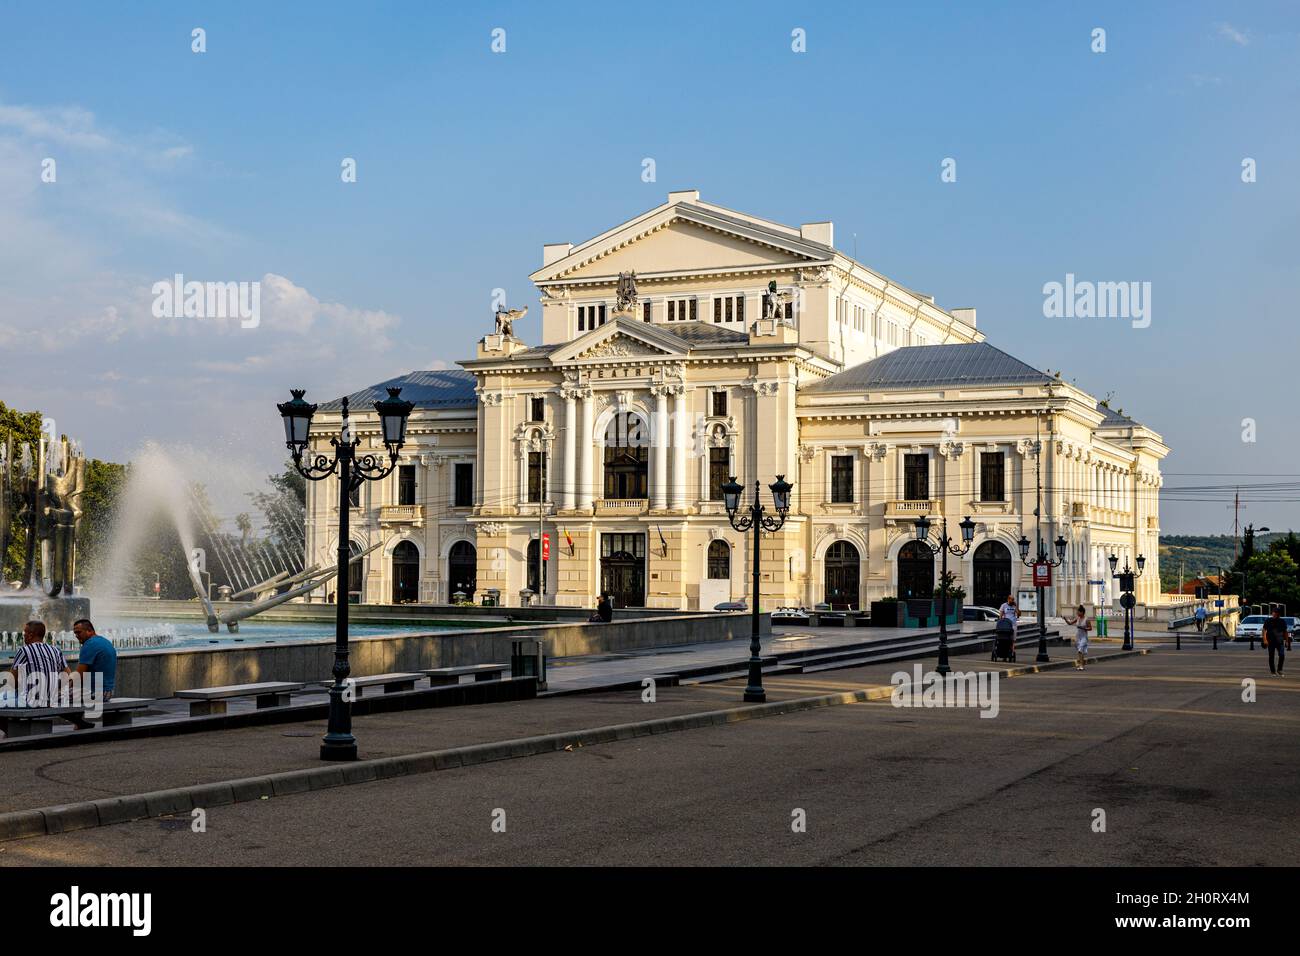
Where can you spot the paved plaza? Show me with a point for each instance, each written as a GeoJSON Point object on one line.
{"type": "Point", "coordinates": [1185, 771]}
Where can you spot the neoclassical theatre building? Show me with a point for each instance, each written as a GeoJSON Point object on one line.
{"type": "Point", "coordinates": [694, 342]}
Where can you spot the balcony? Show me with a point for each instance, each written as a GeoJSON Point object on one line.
{"type": "Point", "coordinates": [401, 514]}
{"type": "Point", "coordinates": [912, 510]}
{"type": "Point", "coordinates": [621, 507]}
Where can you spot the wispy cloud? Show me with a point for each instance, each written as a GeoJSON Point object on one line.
{"type": "Point", "coordinates": [1229, 32]}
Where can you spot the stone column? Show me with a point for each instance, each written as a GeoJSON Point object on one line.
{"type": "Point", "coordinates": [681, 439]}
{"type": "Point", "coordinates": [659, 450]}
{"type": "Point", "coordinates": [569, 487]}
{"type": "Point", "coordinates": [584, 446]}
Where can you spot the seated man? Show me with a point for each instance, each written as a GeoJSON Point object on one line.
{"type": "Point", "coordinates": [98, 657]}
{"type": "Point", "coordinates": [37, 667]}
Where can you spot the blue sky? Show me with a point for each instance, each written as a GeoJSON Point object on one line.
{"type": "Point", "coordinates": [1123, 165]}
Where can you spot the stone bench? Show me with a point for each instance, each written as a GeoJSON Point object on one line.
{"type": "Point", "coordinates": [444, 676]}
{"type": "Point", "coordinates": [210, 701]}
{"type": "Point", "coordinates": [27, 721]}
{"type": "Point", "coordinates": [392, 683]}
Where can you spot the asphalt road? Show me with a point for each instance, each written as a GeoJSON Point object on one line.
{"type": "Point", "coordinates": [1186, 772]}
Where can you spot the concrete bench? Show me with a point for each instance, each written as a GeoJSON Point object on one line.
{"type": "Point", "coordinates": [443, 676]}
{"type": "Point", "coordinates": [27, 721]}
{"type": "Point", "coordinates": [209, 701]}
{"type": "Point", "coordinates": [392, 683]}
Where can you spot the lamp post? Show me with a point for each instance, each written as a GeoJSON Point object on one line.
{"type": "Point", "coordinates": [1126, 601]}
{"type": "Point", "coordinates": [945, 546]}
{"type": "Point", "coordinates": [760, 522]}
{"type": "Point", "coordinates": [352, 471]}
{"type": "Point", "coordinates": [1042, 559]}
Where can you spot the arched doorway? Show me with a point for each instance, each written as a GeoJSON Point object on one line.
{"type": "Point", "coordinates": [622, 568]}
{"type": "Point", "coordinates": [627, 457]}
{"type": "Point", "coordinates": [992, 574]}
{"type": "Point", "coordinates": [462, 571]}
{"type": "Point", "coordinates": [915, 571]}
{"type": "Point", "coordinates": [406, 573]}
{"type": "Point", "coordinates": [842, 564]}
{"type": "Point", "coordinates": [356, 575]}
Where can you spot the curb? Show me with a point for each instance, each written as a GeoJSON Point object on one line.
{"type": "Point", "coordinates": [44, 821]}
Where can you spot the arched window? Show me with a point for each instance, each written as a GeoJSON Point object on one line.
{"type": "Point", "coordinates": [991, 570]}
{"type": "Point", "coordinates": [719, 560]}
{"type": "Point", "coordinates": [462, 571]}
{"type": "Point", "coordinates": [627, 457]}
{"type": "Point", "coordinates": [842, 563]}
{"type": "Point", "coordinates": [915, 571]}
{"type": "Point", "coordinates": [406, 573]}
{"type": "Point", "coordinates": [355, 574]}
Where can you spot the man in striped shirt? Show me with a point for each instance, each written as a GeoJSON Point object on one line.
{"type": "Point", "coordinates": [34, 658]}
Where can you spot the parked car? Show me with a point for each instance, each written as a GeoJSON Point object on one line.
{"type": "Point", "coordinates": [1292, 625]}
{"type": "Point", "coordinates": [789, 615]}
{"type": "Point", "coordinates": [977, 612]}
{"type": "Point", "coordinates": [1252, 626]}
{"type": "Point", "coordinates": [731, 606]}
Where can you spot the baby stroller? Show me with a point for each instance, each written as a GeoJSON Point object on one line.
{"type": "Point", "coordinates": [1004, 645]}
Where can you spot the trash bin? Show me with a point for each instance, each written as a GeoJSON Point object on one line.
{"type": "Point", "coordinates": [525, 597]}
{"type": "Point", "coordinates": [528, 659]}
{"type": "Point", "coordinates": [492, 597]}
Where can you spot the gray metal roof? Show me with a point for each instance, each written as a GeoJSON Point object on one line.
{"type": "Point", "coordinates": [703, 333]}
{"type": "Point", "coordinates": [1113, 418]}
{"type": "Point", "coordinates": [442, 388]}
{"type": "Point", "coordinates": [976, 363]}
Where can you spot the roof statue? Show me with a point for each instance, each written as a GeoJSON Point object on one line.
{"type": "Point", "coordinates": [625, 296]}
{"type": "Point", "coordinates": [506, 319]}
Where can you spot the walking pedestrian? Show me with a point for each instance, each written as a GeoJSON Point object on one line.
{"type": "Point", "coordinates": [1082, 624]}
{"type": "Point", "coordinates": [1276, 637]}
{"type": "Point", "coordinates": [1200, 618]}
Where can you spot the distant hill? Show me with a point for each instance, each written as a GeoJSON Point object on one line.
{"type": "Point", "coordinates": [1194, 554]}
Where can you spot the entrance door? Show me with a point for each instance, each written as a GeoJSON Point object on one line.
{"type": "Point", "coordinates": [622, 568]}
{"type": "Point", "coordinates": [915, 572]}
{"type": "Point", "coordinates": [406, 574]}
{"type": "Point", "coordinates": [462, 571]}
{"type": "Point", "coordinates": [842, 576]}
{"type": "Point", "coordinates": [992, 571]}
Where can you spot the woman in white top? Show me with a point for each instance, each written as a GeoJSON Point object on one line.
{"type": "Point", "coordinates": [1082, 625]}
{"type": "Point", "coordinates": [1011, 612]}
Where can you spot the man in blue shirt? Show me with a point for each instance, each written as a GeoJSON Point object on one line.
{"type": "Point", "coordinates": [98, 656]}
{"type": "Point", "coordinates": [1200, 617]}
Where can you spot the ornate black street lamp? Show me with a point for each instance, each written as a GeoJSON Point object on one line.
{"type": "Point", "coordinates": [1127, 600]}
{"type": "Point", "coordinates": [1042, 559]}
{"type": "Point", "coordinates": [757, 520]}
{"type": "Point", "coordinates": [353, 471]}
{"type": "Point", "coordinates": [945, 547]}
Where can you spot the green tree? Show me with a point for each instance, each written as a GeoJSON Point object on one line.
{"type": "Point", "coordinates": [1273, 576]}
{"type": "Point", "coordinates": [105, 481]}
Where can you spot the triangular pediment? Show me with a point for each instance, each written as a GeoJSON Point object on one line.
{"type": "Point", "coordinates": [621, 338]}
{"type": "Point", "coordinates": [683, 237]}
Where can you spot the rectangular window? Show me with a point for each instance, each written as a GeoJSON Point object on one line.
{"type": "Point", "coordinates": [719, 404]}
{"type": "Point", "coordinates": [719, 471]}
{"type": "Point", "coordinates": [464, 486]}
{"type": "Point", "coordinates": [590, 316]}
{"type": "Point", "coordinates": [842, 479]}
{"type": "Point", "coordinates": [992, 473]}
{"type": "Point", "coordinates": [406, 484]}
{"type": "Point", "coordinates": [916, 477]}
{"type": "Point", "coordinates": [646, 311]}
{"type": "Point", "coordinates": [536, 476]}
{"type": "Point", "coordinates": [729, 308]}
{"type": "Point", "coordinates": [537, 409]}
{"type": "Point", "coordinates": [682, 310]}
